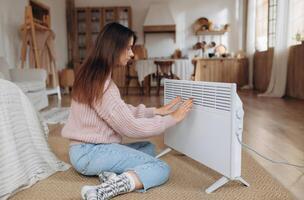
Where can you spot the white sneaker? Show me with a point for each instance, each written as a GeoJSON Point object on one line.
{"type": "Point", "coordinates": [89, 192]}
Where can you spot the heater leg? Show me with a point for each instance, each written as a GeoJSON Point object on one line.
{"type": "Point", "coordinates": [245, 183]}
{"type": "Point", "coordinates": [222, 181]}
{"type": "Point", "coordinates": [167, 150]}
{"type": "Point", "coordinates": [219, 183]}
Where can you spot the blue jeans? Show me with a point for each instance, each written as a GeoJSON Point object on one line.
{"type": "Point", "coordinates": [92, 159]}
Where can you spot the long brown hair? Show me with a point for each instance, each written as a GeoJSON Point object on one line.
{"type": "Point", "coordinates": [104, 56]}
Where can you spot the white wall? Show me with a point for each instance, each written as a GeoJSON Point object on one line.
{"type": "Point", "coordinates": [185, 13]}
{"type": "Point", "coordinates": [12, 18]}
{"type": "Point", "coordinates": [10, 23]}
{"type": "Point", "coordinates": [58, 23]}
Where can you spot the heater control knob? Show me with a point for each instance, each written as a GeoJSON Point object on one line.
{"type": "Point", "coordinates": [240, 114]}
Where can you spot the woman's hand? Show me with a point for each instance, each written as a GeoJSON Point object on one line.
{"type": "Point", "coordinates": [183, 110]}
{"type": "Point", "coordinates": [168, 108]}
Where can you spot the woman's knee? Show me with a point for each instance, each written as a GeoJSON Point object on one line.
{"type": "Point", "coordinates": [164, 170]}
{"type": "Point", "coordinates": [153, 173]}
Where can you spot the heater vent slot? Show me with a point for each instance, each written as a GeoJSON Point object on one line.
{"type": "Point", "coordinates": [215, 95]}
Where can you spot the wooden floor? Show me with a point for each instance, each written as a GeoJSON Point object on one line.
{"type": "Point", "coordinates": [274, 127]}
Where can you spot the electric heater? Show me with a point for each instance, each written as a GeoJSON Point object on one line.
{"type": "Point", "coordinates": [209, 133]}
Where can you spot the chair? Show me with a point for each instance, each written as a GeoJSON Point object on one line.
{"type": "Point", "coordinates": [194, 63]}
{"type": "Point", "coordinates": [31, 81]}
{"type": "Point", "coordinates": [140, 52]}
{"type": "Point", "coordinates": [177, 54]}
{"type": "Point", "coordinates": [132, 75]}
{"type": "Point", "coordinates": [163, 70]}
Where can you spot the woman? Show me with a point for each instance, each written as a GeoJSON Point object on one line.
{"type": "Point", "coordinates": [99, 118]}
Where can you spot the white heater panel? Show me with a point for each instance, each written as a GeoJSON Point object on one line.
{"type": "Point", "coordinates": [207, 135]}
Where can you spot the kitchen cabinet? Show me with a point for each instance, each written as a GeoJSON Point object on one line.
{"type": "Point", "coordinates": [228, 70]}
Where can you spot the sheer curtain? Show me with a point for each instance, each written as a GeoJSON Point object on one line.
{"type": "Point", "coordinates": [277, 84]}
{"type": "Point", "coordinates": [250, 38]}
{"type": "Point", "coordinates": [296, 21]}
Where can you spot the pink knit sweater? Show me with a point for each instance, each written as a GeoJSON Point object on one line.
{"type": "Point", "coordinates": [111, 119]}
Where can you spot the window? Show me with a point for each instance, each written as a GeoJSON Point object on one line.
{"type": "Point", "coordinates": [272, 15]}
{"type": "Point", "coordinates": [266, 12]}
{"type": "Point", "coordinates": [296, 21]}
{"type": "Point", "coordinates": [261, 25]}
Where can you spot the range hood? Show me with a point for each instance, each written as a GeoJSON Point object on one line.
{"type": "Point", "coordinates": [159, 19]}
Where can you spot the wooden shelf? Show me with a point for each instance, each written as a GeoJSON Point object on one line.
{"type": "Point", "coordinates": [160, 29]}
{"type": "Point", "coordinates": [211, 32]}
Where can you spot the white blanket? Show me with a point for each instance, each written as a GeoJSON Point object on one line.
{"type": "Point", "coordinates": [24, 152]}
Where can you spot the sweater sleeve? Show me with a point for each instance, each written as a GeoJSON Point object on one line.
{"type": "Point", "coordinates": [119, 117]}
{"type": "Point", "coordinates": [141, 111]}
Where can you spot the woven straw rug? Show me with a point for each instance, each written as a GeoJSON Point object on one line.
{"type": "Point", "coordinates": [188, 180]}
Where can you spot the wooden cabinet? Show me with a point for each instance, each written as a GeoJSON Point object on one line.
{"type": "Point", "coordinates": [295, 75]}
{"type": "Point", "coordinates": [222, 70]}
{"type": "Point", "coordinates": [110, 15]}
{"type": "Point", "coordinates": [85, 31]}
{"type": "Point", "coordinates": [124, 16]}
{"type": "Point", "coordinates": [262, 66]}
{"type": "Point", "coordinates": [89, 22]}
